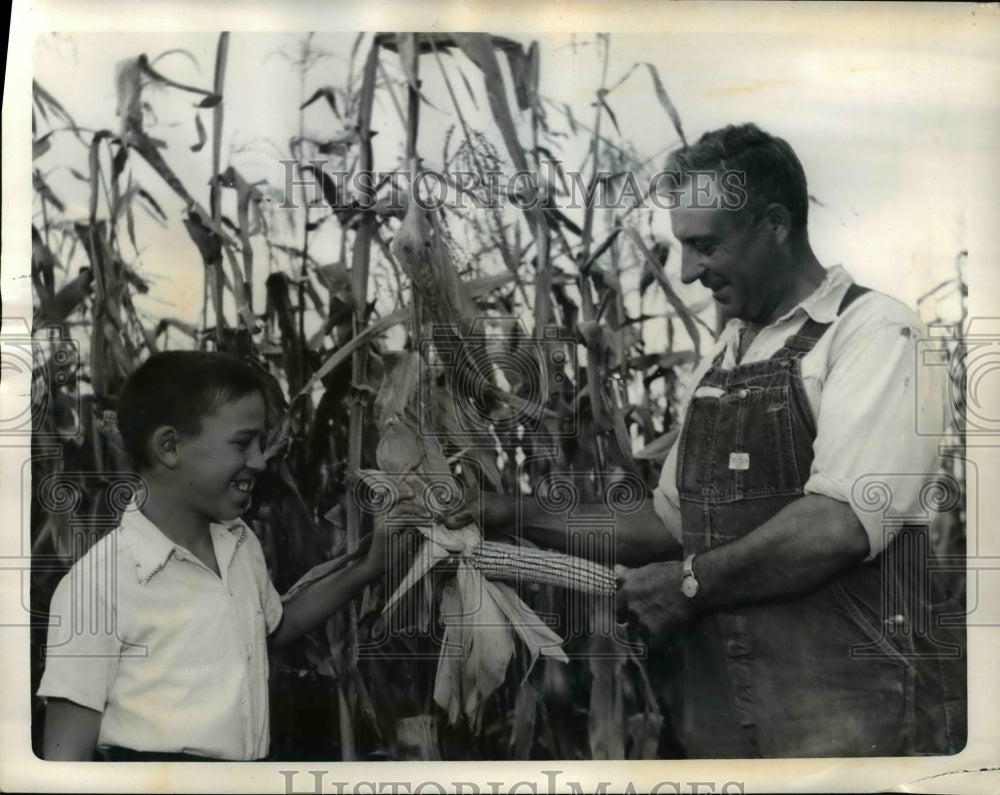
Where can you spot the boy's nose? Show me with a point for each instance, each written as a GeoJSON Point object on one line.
{"type": "Point", "coordinates": [255, 459]}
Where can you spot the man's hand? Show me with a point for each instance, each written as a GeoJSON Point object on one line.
{"type": "Point", "coordinates": [653, 595]}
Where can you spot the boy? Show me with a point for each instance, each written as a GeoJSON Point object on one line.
{"type": "Point", "coordinates": [180, 669]}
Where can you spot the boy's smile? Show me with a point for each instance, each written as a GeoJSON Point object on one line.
{"type": "Point", "coordinates": [218, 465]}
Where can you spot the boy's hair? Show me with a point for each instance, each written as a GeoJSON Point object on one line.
{"type": "Point", "coordinates": [771, 170]}
{"type": "Point", "coordinates": [178, 388]}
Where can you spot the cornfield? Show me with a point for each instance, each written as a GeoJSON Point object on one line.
{"type": "Point", "coordinates": [570, 338]}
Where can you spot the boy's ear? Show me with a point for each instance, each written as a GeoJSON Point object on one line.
{"type": "Point", "coordinates": [164, 445]}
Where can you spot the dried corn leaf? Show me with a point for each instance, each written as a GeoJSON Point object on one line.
{"type": "Point", "coordinates": [668, 106]}
{"type": "Point", "coordinates": [202, 135]}
{"type": "Point", "coordinates": [487, 644]}
{"type": "Point", "coordinates": [682, 310]}
{"type": "Point", "coordinates": [40, 146]}
{"type": "Point", "coordinates": [479, 49]}
{"type": "Point", "coordinates": [373, 330]}
{"type": "Point", "coordinates": [327, 93]}
{"type": "Point", "coordinates": [525, 714]}
{"type": "Point", "coordinates": [211, 99]}
{"type": "Point", "coordinates": [644, 733]}
{"type": "Point", "coordinates": [416, 739]}
{"type": "Point", "coordinates": [448, 681]}
{"type": "Point", "coordinates": [429, 555]}
{"type": "Point", "coordinates": [400, 450]}
{"type": "Point", "coordinates": [539, 639]}
{"type": "Point", "coordinates": [128, 85]}
{"type": "Point", "coordinates": [606, 717]}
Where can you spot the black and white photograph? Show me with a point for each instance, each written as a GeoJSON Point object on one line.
{"type": "Point", "coordinates": [476, 398]}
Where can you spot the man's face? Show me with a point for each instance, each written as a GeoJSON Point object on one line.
{"type": "Point", "coordinates": [732, 253]}
{"type": "Point", "coordinates": [219, 463]}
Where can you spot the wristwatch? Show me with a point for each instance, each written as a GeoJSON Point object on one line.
{"type": "Point", "coordinates": [689, 583]}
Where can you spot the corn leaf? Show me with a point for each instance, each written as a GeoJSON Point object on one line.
{"type": "Point", "coordinates": [416, 739]}
{"type": "Point", "coordinates": [537, 637]}
{"type": "Point", "coordinates": [43, 99]}
{"type": "Point", "coordinates": [40, 146]}
{"type": "Point", "coordinates": [211, 98]}
{"type": "Point", "coordinates": [611, 114]}
{"type": "Point", "coordinates": [468, 87]}
{"type": "Point", "coordinates": [668, 106]}
{"type": "Point", "coordinates": [371, 331]}
{"type": "Point", "coordinates": [128, 85]}
{"type": "Point", "coordinates": [327, 93]}
{"type": "Point", "coordinates": [606, 717]}
{"type": "Point", "coordinates": [525, 716]}
{"type": "Point", "coordinates": [202, 135]}
{"type": "Point", "coordinates": [45, 192]}
{"type": "Point", "coordinates": [178, 51]}
{"type": "Point", "coordinates": [687, 318]}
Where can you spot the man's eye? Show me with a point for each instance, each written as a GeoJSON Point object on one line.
{"type": "Point", "coordinates": [705, 248]}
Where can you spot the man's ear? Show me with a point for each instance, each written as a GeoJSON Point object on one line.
{"type": "Point", "coordinates": [779, 221]}
{"type": "Point", "coordinates": [164, 446]}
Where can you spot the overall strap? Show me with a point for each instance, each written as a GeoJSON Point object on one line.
{"type": "Point", "coordinates": [805, 340]}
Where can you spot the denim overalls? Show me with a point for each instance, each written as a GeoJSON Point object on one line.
{"type": "Point", "coordinates": [839, 671]}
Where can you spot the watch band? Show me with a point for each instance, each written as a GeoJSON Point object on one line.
{"type": "Point", "coordinates": [689, 583]}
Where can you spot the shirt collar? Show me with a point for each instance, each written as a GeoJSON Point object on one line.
{"type": "Point", "coordinates": [823, 303]}
{"type": "Point", "coordinates": [151, 549]}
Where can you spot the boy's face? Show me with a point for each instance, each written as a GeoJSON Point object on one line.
{"type": "Point", "coordinates": [218, 465]}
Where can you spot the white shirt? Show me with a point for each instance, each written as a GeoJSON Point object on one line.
{"type": "Point", "coordinates": [862, 383]}
{"type": "Point", "coordinates": [172, 655]}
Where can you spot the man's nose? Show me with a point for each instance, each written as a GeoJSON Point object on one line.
{"type": "Point", "coordinates": [691, 267]}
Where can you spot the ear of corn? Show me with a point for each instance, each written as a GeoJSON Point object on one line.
{"type": "Point", "coordinates": [499, 561]}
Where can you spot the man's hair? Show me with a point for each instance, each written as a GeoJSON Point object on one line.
{"type": "Point", "coordinates": [771, 170]}
{"type": "Point", "coordinates": [178, 388]}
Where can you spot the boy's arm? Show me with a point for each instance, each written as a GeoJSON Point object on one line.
{"type": "Point", "coordinates": [70, 731]}
{"type": "Point", "coordinates": [315, 603]}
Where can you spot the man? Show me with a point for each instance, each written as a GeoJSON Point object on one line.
{"type": "Point", "coordinates": [804, 635]}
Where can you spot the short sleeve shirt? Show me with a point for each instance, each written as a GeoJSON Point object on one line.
{"type": "Point", "coordinates": [869, 397]}
{"type": "Point", "coordinates": [173, 655]}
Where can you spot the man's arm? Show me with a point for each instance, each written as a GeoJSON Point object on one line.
{"type": "Point", "coordinates": [636, 537]}
{"type": "Point", "coordinates": [71, 731]}
{"type": "Point", "coordinates": [801, 547]}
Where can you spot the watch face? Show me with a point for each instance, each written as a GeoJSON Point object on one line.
{"type": "Point", "coordinates": [689, 587]}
